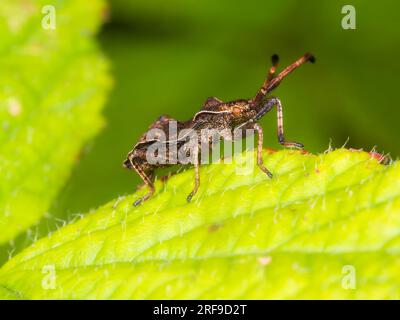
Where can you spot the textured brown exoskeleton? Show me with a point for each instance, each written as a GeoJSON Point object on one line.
{"type": "Point", "coordinates": [215, 114]}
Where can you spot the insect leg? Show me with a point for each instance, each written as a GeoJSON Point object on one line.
{"type": "Point", "coordinates": [196, 175]}
{"type": "Point", "coordinates": [147, 179]}
{"type": "Point", "coordinates": [281, 136]}
{"type": "Point", "coordinates": [260, 164]}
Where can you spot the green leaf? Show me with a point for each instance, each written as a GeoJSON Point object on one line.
{"type": "Point", "coordinates": [305, 233]}
{"type": "Point", "coordinates": [53, 85]}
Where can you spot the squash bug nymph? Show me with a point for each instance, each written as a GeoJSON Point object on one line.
{"type": "Point", "coordinates": [214, 115]}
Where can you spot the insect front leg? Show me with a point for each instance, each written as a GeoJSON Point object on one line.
{"type": "Point", "coordinates": [260, 164]}
{"type": "Point", "coordinates": [267, 106]}
{"type": "Point", "coordinates": [281, 136]}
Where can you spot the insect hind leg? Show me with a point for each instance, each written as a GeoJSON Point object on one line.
{"type": "Point", "coordinates": [147, 177]}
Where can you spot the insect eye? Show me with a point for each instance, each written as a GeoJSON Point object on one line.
{"type": "Point", "coordinates": [237, 111]}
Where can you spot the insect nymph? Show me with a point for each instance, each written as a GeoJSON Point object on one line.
{"type": "Point", "coordinates": [215, 114]}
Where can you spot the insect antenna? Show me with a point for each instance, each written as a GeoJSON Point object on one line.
{"type": "Point", "coordinates": [277, 80]}
{"type": "Point", "coordinates": [264, 88]}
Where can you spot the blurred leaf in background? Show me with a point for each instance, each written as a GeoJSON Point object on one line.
{"type": "Point", "coordinates": [53, 84]}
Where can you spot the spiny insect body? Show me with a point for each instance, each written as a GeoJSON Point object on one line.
{"type": "Point", "coordinates": [215, 114]}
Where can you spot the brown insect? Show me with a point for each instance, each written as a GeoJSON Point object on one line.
{"type": "Point", "coordinates": [234, 115]}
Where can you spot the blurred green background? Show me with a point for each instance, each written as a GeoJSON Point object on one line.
{"type": "Point", "coordinates": [167, 57]}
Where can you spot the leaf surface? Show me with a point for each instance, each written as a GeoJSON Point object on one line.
{"type": "Point", "coordinates": [326, 226]}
